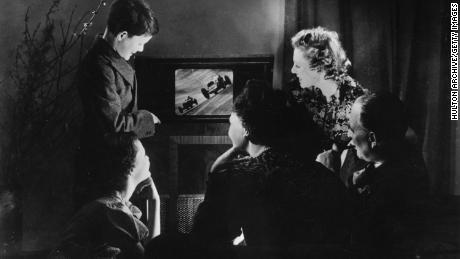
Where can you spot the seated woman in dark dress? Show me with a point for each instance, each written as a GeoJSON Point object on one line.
{"type": "Point", "coordinates": [267, 195]}
{"type": "Point", "coordinates": [392, 190]}
{"type": "Point", "coordinates": [109, 227]}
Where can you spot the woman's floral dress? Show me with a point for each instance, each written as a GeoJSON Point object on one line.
{"type": "Point", "coordinates": [333, 116]}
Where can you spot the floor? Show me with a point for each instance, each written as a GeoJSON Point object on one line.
{"type": "Point", "coordinates": [442, 240]}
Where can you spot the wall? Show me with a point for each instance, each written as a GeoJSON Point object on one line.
{"type": "Point", "coordinates": [201, 28]}
{"type": "Point", "coordinates": [456, 164]}
{"type": "Point", "coordinates": [206, 28]}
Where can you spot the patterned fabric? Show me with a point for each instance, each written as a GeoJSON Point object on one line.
{"type": "Point", "coordinates": [273, 199]}
{"type": "Point", "coordinates": [333, 116]}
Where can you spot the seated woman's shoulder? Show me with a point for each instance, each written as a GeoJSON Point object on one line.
{"type": "Point", "coordinates": [241, 163]}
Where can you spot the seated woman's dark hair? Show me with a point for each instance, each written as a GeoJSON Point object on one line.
{"type": "Point", "coordinates": [262, 112]}
{"type": "Point", "coordinates": [117, 160]}
{"type": "Point", "coordinates": [132, 16]}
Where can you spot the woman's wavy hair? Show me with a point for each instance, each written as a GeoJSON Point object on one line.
{"type": "Point", "coordinates": [323, 49]}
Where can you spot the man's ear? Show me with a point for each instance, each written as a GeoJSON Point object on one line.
{"type": "Point", "coordinates": [246, 133]}
{"type": "Point", "coordinates": [372, 139]}
{"type": "Point", "coordinates": [122, 35]}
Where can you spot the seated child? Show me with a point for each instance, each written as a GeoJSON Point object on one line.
{"type": "Point", "coordinates": [109, 226]}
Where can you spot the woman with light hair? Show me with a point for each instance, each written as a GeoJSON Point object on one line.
{"type": "Point", "coordinates": [327, 90]}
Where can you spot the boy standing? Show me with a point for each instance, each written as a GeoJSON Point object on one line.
{"type": "Point", "coordinates": [108, 89]}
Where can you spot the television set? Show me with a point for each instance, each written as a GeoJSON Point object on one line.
{"type": "Point", "coordinates": [196, 89]}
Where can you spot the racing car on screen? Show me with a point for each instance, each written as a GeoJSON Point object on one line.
{"type": "Point", "coordinates": [215, 86]}
{"type": "Point", "coordinates": [188, 104]}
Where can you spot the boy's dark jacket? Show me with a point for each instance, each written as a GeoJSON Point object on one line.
{"type": "Point", "coordinates": [108, 90]}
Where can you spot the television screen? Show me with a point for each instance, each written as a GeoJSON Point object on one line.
{"type": "Point", "coordinates": [203, 91]}
{"type": "Point", "coordinates": [196, 89]}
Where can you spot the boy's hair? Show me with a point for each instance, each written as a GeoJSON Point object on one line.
{"type": "Point", "coordinates": [132, 16]}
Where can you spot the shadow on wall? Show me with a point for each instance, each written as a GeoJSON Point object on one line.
{"type": "Point", "coordinates": [216, 28]}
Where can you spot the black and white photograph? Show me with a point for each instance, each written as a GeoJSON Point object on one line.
{"type": "Point", "coordinates": [203, 91]}
{"type": "Point", "coordinates": [164, 129]}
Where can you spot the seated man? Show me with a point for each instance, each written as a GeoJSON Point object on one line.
{"type": "Point", "coordinates": [110, 225]}
{"type": "Point", "coordinates": [272, 198]}
{"type": "Point", "coordinates": [392, 189]}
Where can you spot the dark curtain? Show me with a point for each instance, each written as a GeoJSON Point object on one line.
{"type": "Point", "coordinates": [401, 46]}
